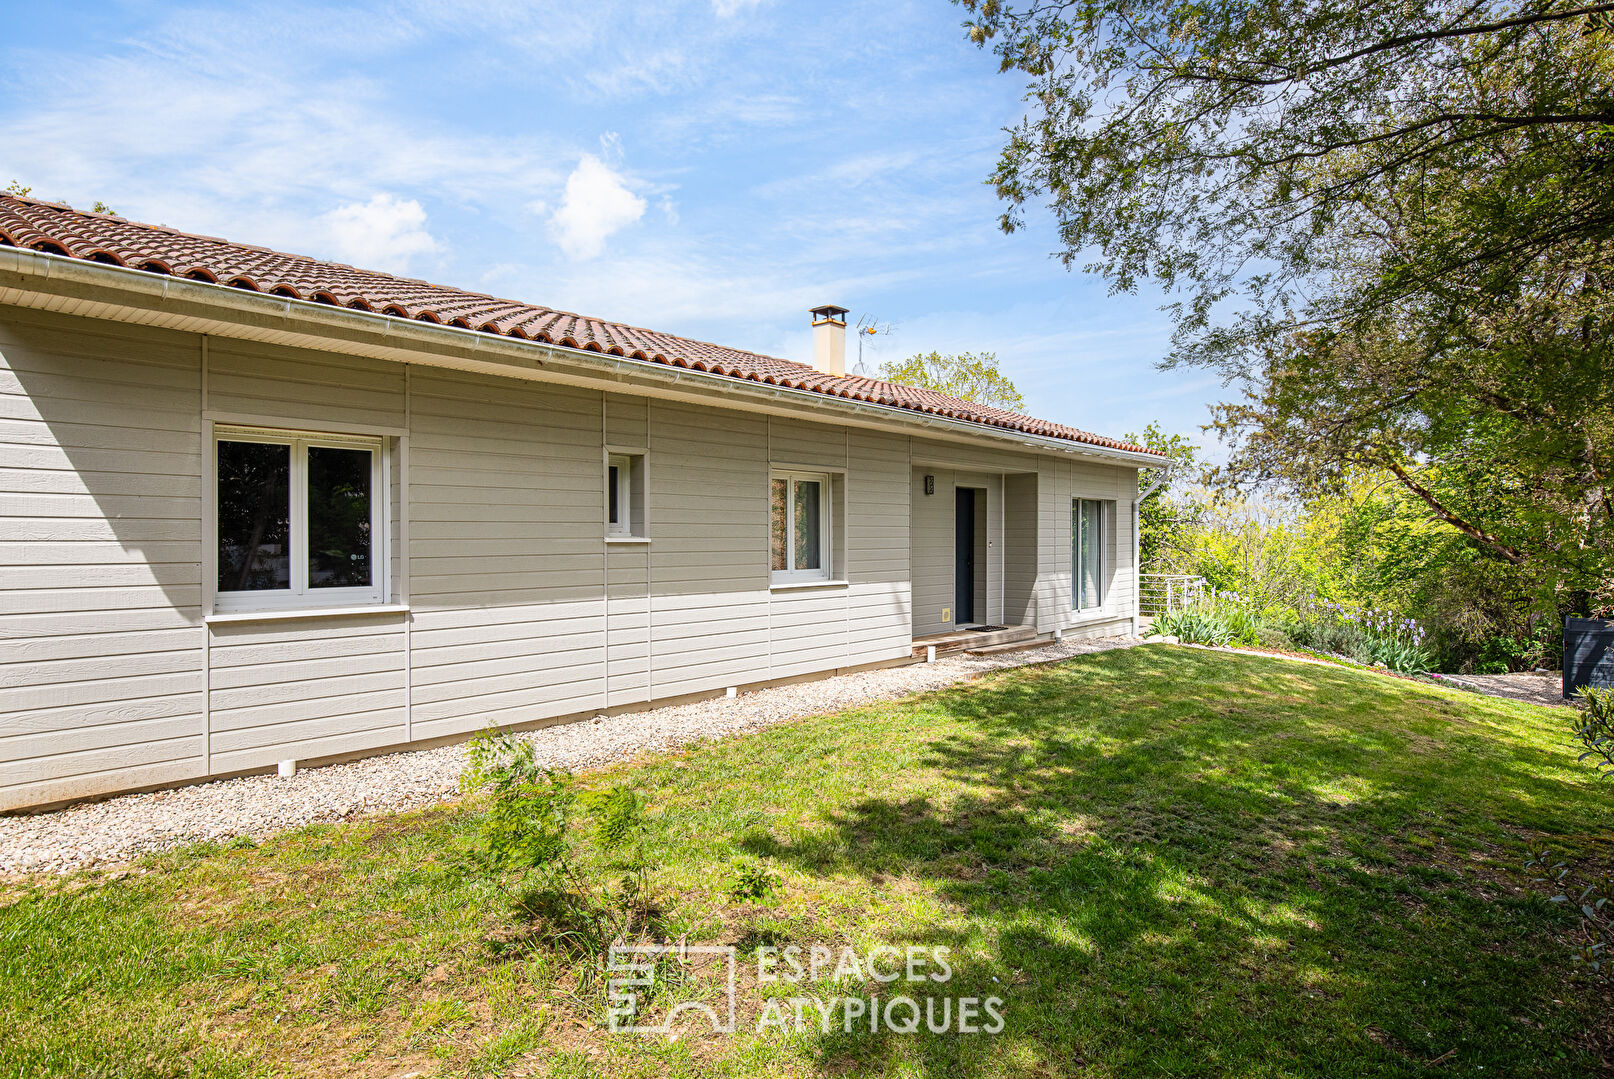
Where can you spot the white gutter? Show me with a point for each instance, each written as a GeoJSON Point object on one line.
{"type": "Point", "coordinates": [102, 290]}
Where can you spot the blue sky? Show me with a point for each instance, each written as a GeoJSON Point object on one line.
{"type": "Point", "coordinates": [710, 168]}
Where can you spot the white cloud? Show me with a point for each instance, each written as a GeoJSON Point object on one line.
{"type": "Point", "coordinates": [726, 8]}
{"type": "Point", "coordinates": [263, 131]}
{"type": "Point", "coordinates": [596, 204]}
{"type": "Point", "coordinates": [384, 233]}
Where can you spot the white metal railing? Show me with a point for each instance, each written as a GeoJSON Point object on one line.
{"type": "Point", "coordinates": [1160, 593]}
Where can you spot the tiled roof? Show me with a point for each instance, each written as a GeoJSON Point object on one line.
{"type": "Point", "coordinates": [61, 230]}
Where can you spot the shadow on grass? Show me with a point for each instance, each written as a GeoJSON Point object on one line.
{"type": "Point", "coordinates": [1194, 863]}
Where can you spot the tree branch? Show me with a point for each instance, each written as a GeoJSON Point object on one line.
{"type": "Point", "coordinates": [1406, 39]}
{"type": "Point", "coordinates": [1509, 554]}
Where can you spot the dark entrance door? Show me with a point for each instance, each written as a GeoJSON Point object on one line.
{"type": "Point", "coordinates": [964, 556]}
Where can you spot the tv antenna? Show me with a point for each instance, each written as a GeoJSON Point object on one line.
{"type": "Point", "coordinates": [867, 327]}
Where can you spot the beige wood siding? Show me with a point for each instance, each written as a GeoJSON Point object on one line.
{"type": "Point", "coordinates": [1020, 526]}
{"type": "Point", "coordinates": [288, 690]}
{"type": "Point", "coordinates": [879, 598]}
{"type": "Point", "coordinates": [319, 389]}
{"type": "Point", "coordinates": [519, 610]}
{"type": "Point", "coordinates": [309, 687]}
{"type": "Point", "coordinates": [708, 509]}
{"type": "Point", "coordinates": [507, 575]}
{"type": "Point", "coordinates": [931, 527]}
{"type": "Point", "coordinates": [101, 678]}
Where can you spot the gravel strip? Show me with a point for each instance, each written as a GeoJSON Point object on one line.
{"type": "Point", "coordinates": [1532, 687]}
{"type": "Point", "coordinates": [115, 830]}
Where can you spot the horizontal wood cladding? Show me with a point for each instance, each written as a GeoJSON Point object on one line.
{"type": "Point", "coordinates": [101, 670]}
{"type": "Point", "coordinates": [519, 610]}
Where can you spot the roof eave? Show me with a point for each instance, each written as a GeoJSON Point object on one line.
{"type": "Point", "coordinates": [125, 294]}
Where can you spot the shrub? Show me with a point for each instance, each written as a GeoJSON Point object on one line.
{"type": "Point", "coordinates": [1594, 729]}
{"type": "Point", "coordinates": [1366, 635]}
{"type": "Point", "coordinates": [1194, 625]}
{"type": "Point", "coordinates": [1221, 619]}
{"type": "Point", "coordinates": [527, 829]}
{"type": "Point", "coordinates": [753, 882]}
{"type": "Point", "coordinates": [1524, 652]}
{"type": "Point", "coordinates": [1590, 896]}
{"type": "Point", "coordinates": [1275, 636]}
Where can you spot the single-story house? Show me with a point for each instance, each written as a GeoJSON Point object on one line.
{"type": "Point", "coordinates": [258, 507]}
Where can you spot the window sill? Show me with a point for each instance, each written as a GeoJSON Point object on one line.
{"type": "Point", "coordinates": [793, 586]}
{"type": "Point", "coordinates": [286, 613]}
{"type": "Point", "coordinates": [627, 539]}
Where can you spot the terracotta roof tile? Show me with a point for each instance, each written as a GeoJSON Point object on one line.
{"type": "Point", "coordinates": [45, 226]}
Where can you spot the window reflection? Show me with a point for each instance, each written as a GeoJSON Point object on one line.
{"type": "Point", "coordinates": [254, 495]}
{"type": "Point", "coordinates": [338, 517]}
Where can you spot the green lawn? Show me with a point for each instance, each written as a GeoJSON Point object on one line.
{"type": "Point", "coordinates": [1165, 861]}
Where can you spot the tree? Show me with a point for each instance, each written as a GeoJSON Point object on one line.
{"type": "Point", "coordinates": [1392, 223]}
{"type": "Point", "coordinates": [16, 188]}
{"type": "Point", "coordinates": [1168, 511]}
{"type": "Point", "coordinates": [969, 375]}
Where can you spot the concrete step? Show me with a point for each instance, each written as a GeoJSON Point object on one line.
{"type": "Point", "coordinates": [1012, 646]}
{"type": "Point", "coordinates": [949, 644]}
{"type": "Point", "coordinates": [1006, 635]}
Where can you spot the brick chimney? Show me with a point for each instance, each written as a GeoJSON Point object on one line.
{"type": "Point", "coordinates": [829, 339]}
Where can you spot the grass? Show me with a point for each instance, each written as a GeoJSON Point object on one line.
{"type": "Point", "coordinates": [1165, 861]}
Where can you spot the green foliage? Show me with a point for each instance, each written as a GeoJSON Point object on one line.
{"type": "Point", "coordinates": [1194, 625]}
{"type": "Point", "coordinates": [1373, 546]}
{"type": "Point", "coordinates": [753, 883]}
{"type": "Point", "coordinates": [1223, 619]}
{"type": "Point", "coordinates": [17, 188]}
{"type": "Point", "coordinates": [1524, 652]}
{"type": "Point", "coordinates": [530, 807]}
{"type": "Point", "coordinates": [1591, 897]}
{"type": "Point", "coordinates": [968, 375]}
{"type": "Point", "coordinates": [1594, 729]}
{"type": "Point", "coordinates": [1364, 634]}
{"type": "Point", "coordinates": [1169, 511]}
{"type": "Point", "coordinates": [1274, 636]}
{"type": "Point", "coordinates": [1134, 798]}
{"type": "Point", "coordinates": [527, 828]}
{"type": "Point", "coordinates": [1393, 223]}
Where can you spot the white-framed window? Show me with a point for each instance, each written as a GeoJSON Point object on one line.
{"type": "Point", "coordinates": [299, 519]}
{"type": "Point", "coordinates": [1087, 553]}
{"type": "Point", "coordinates": [625, 497]}
{"type": "Point", "coordinates": [619, 495]}
{"type": "Point", "coordinates": [800, 537]}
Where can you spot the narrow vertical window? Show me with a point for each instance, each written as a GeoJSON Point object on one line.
{"type": "Point", "coordinates": [799, 527]}
{"type": "Point", "coordinates": [805, 511]}
{"type": "Point", "coordinates": [624, 495]}
{"type": "Point", "coordinates": [1087, 553]}
{"type": "Point", "coordinates": [779, 543]}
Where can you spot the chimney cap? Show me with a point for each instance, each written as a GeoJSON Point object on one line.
{"type": "Point", "coordinates": [829, 312]}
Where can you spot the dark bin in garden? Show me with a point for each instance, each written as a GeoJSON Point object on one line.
{"type": "Point", "coordinates": [1588, 654]}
